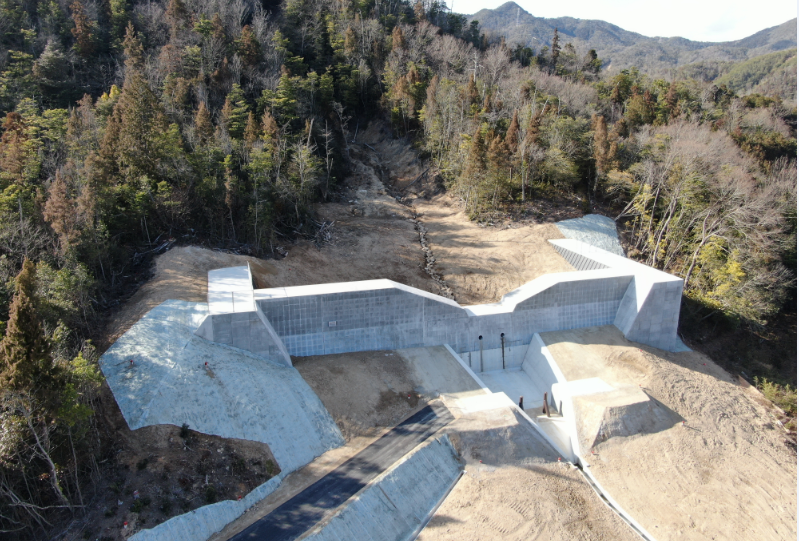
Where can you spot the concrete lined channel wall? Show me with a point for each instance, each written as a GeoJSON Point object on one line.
{"type": "Point", "coordinates": [397, 503]}
{"type": "Point", "coordinates": [203, 522]}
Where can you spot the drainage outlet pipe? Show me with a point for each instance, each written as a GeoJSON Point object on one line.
{"type": "Point", "coordinates": [502, 338]}
{"type": "Point", "coordinates": [480, 338]}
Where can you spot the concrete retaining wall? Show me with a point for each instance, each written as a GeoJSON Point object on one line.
{"type": "Point", "coordinates": [398, 502]}
{"type": "Point", "coordinates": [380, 314]}
{"type": "Point", "coordinates": [202, 523]}
{"type": "Point", "coordinates": [541, 366]}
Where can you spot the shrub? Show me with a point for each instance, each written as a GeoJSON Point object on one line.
{"type": "Point", "coordinates": [783, 396]}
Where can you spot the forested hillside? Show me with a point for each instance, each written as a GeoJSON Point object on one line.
{"type": "Point", "coordinates": [772, 74]}
{"type": "Point", "coordinates": [131, 125]}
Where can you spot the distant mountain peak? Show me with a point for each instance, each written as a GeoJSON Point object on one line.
{"type": "Point", "coordinates": [622, 48]}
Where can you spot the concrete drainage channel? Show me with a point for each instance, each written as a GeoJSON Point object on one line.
{"type": "Point", "coordinates": [567, 452]}
{"type": "Point", "coordinates": [611, 503]}
{"type": "Point", "coordinates": [386, 491]}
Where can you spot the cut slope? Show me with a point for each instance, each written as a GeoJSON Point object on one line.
{"type": "Point", "coordinates": [593, 229]}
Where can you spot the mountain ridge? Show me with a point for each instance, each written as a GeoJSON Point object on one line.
{"type": "Point", "coordinates": [619, 48]}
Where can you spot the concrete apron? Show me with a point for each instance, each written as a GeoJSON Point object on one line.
{"type": "Point", "coordinates": [559, 431]}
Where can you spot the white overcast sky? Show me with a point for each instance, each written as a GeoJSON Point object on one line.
{"type": "Point", "coordinates": [698, 20]}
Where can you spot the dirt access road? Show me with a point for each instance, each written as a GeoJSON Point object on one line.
{"type": "Point", "coordinates": [375, 236]}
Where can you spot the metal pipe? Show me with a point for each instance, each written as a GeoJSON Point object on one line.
{"type": "Point", "coordinates": [480, 338]}
{"type": "Point", "coordinates": [502, 338]}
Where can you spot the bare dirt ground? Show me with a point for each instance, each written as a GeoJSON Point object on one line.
{"type": "Point", "coordinates": [365, 392]}
{"type": "Point", "coordinates": [480, 263]}
{"type": "Point", "coordinates": [727, 474]}
{"type": "Point", "coordinates": [370, 391]}
{"type": "Point", "coordinates": [514, 488]}
{"type": "Point", "coordinates": [159, 472]}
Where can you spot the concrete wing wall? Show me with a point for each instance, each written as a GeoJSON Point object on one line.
{"type": "Point", "coordinates": [650, 309]}
{"type": "Point", "coordinates": [250, 331]}
{"type": "Point", "coordinates": [650, 312]}
{"type": "Point", "coordinates": [579, 261]}
{"type": "Point", "coordinates": [396, 504]}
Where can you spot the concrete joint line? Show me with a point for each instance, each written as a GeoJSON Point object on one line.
{"type": "Point", "coordinates": [394, 505]}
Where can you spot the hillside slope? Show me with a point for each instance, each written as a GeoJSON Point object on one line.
{"type": "Point", "coordinates": [770, 74]}
{"type": "Point", "coordinates": [620, 49]}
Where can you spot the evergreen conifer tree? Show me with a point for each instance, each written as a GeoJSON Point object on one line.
{"type": "Point", "coordinates": [512, 135]}
{"type": "Point", "coordinates": [202, 124]}
{"type": "Point", "coordinates": [249, 48]}
{"type": "Point", "coordinates": [252, 130]}
{"type": "Point", "coordinates": [235, 112]}
{"type": "Point", "coordinates": [555, 53]}
{"type": "Point", "coordinates": [83, 31]}
{"type": "Point", "coordinates": [397, 39]}
{"type": "Point", "coordinates": [269, 126]}
{"type": "Point", "coordinates": [26, 361]}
